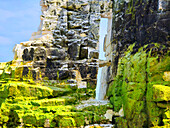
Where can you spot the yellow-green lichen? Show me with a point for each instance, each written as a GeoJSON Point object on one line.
{"type": "Point", "coordinates": [161, 93]}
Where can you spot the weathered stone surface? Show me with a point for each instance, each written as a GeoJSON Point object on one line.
{"type": "Point", "coordinates": [56, 53]}
{"type": "Point", "coordinates": [63, 74]}
{"type": "Point", "coordinates": [83, 52]}
{"type": "Point", "coordinates": [51, 73]}
{"type": "Point", "coordinates": [39, 64]}
{"type": "Point", "coordinates": [92, 71]}
{"type": "Point", "coordinates": [73, 51]}
{"type": "Point", "coordinates": [94, 54]}
{"type": "Point", "coordinates": [39, 54]}
{"type": "Point", "coordinates": [67, 30]}
{"type": "Point", "coordinates": [83, 70]}
{"type": "Point", "coordinates": [63, 31]}
{"type": "Point", "coordinates": [28, 54]}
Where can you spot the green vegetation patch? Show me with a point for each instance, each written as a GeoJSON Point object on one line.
{"type": "Point", "coordinates": [48, 102]}
{"type": "Point", "coordinates": [19, 89]}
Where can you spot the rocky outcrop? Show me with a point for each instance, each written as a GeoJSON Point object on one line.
{"type": "Point", "coordinates": [140, 63]}
{"type": "Point", "coordinates": [67, 41]}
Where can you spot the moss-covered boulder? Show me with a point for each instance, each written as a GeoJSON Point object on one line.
{"type": "Point", "coordinates": [161, 93]}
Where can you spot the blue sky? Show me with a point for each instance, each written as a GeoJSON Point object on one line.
{"type": "Point", "coordinates": [18, 20]}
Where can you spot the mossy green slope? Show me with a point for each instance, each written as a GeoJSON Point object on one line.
{"type": "Point", "coordinates": [28, 104]}
{"type": "Point", "coordinates": [138, 85]}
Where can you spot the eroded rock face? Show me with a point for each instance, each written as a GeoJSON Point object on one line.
{"type": "Point", "coordinates": [140, 62]}
{"type": "Point", "coordinates": [66, 40]}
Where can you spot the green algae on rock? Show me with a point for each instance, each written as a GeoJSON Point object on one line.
{"type": "Point", "coordinates": [137, 89]}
